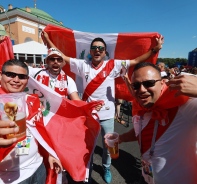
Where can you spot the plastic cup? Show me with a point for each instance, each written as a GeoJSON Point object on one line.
{"type": "Point", "coordinates": [111, 140]}
{"type": "Point", "coordinates": [13, 108]}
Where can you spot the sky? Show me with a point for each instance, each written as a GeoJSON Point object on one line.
{"type": "Point", "coordinates": [176, 20]}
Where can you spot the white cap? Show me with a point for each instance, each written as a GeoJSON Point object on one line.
{"type": "Point", "coordinates": [53, 52]}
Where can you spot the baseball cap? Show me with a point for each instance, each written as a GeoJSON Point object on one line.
{"type": "Point", "coordinates": [2, 30]}
{"type": "Point", "coordinates": [53, 52]}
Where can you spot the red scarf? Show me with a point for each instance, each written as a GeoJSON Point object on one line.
{"type": "Point", "coordinates": [167, 100]}
{"type": "Point", "coordinates": [43, 77]}
{"type": "Point", "coordinates": [165, 108]}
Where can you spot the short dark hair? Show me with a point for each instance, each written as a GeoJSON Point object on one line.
{"type": "Point", "coordinates": [15, 62]}
{"type": "Point", "coordinates": [98, 40]}
{"type": "Point", "coordinates": [144, 64]}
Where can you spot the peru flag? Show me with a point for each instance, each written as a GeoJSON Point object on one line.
{"type": "Point", "coordinates": [71, 127]}
{"type": "Point", "coordinates": [76, 44]}
{"type": "Point", "coordinates": [6, 50]}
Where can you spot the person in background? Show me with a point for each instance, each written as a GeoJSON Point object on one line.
{"type": "Point", "coordinates": [164, 74]}
{"type": "Point", "coordinates": [19, 168]}
{"type": "Point", "coordinates": [102, 73]}
{"type": "Point", "coordinates": [165, 125]}
{"type": "Point", "coordinates": [41, 65]}
{"type": "Point", "coordinates": [118, 116]}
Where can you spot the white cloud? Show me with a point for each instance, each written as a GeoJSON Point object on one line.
{"type": "Point", "coordinates": [194, 37]}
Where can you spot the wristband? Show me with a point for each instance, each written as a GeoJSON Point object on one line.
{"type": "Point", "coordinates": [154, 51]}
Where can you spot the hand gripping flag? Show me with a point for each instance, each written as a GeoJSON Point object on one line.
{"type": "Point", "coordinates": [71, 127]}
{"type": "Point", "coordinates": [6, 50]}
{"type": "Point", "coordinates": [76, 44]}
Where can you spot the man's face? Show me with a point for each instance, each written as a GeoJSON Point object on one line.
{"type": "Point", "coordinates": [12, 83]}
{"type": "Point", "coordinates": [146, 96]}
{"type": "Point", "coordinates": [161, 66]}
{"type": "Point", "coordinates": [54, 64]}
{"type": "Point", "coordinates": [98, 51]}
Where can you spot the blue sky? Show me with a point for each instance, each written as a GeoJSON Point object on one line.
{"type": "Point", "coordinates": [175, 19]}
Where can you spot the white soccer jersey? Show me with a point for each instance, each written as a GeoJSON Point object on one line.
{"type": "Point", "coordinates": [175, 152]}
{"type": "Point", "coordinates": [106, 90]}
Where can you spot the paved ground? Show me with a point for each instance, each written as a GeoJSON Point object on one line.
{"type": "Point", "coordinates": [126, 169]}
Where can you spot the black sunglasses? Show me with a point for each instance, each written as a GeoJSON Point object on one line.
{"type": "Point", "coordinates": [100, 48]}
{"type": "Point", "coordinates": [59, 60]}
{"type": "Point", "coordinates": [13, 75]}
{"type": "Point", "coordinates": [146, 84]}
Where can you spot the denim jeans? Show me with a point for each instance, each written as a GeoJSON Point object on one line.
{"type": "Point", "coordinates": [39, 177]}
{"type": "Point", "coordinates": [107, 126]}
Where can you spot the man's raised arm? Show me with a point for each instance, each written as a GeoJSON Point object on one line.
{"type": "Point", "coordinates": [50, 44]}
{"type": "Point", "coordinates": [145, 56]}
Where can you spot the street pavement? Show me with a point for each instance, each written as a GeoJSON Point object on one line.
{"type": "Point", "coordinates": [126, 169]}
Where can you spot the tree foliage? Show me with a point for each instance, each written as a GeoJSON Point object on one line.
{"type": "Point", "coordinates": [172, 62]}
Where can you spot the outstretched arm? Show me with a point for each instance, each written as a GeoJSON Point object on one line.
{"type": "Point", "coordinates": [50, 44]}
{"type": "Point", "coordinates": [128, 136]}
{"type": "Point", "coordinates": [145, 56]}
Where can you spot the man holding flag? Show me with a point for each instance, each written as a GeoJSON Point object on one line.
{"type": "Point", "coordinates": [98, 83]}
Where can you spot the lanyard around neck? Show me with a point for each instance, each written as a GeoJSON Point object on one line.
{"type": "Point", "coordinates": [152, 148]}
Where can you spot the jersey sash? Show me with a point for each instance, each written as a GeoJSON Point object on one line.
{"type": "Point", "coordinates": [98, 80]}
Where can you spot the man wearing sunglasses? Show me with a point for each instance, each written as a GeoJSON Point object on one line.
{"type": "Point", "coordinates": [98, 77]}
{"type": "Point", "coordinates": [54, 77]}
{"type": "Point", "coordinates": [165, 125]}
{"type": "Point", "coordinates": [17, 166]}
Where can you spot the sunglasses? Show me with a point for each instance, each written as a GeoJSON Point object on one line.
{"type": "Point", "coordinates": [13, 75]}
{"type": "Point", "coordinates": [100, 48]}
{"type": "Point", "coordinates": [59, 60]}
{"type": "Point", "coordinates": [146, 84]}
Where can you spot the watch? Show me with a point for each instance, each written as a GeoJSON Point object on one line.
{"type": "Point", "coordinates": [154, 51]}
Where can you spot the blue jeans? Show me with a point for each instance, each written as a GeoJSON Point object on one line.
{"type": "Point", "coordinates": [39, 177]}
{"type": "Point", "coordinates": [107, 126]}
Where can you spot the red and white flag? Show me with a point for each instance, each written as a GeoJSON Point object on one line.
{"type": "Point", "coordinates": [76, 44]}
{"type": "Point", "coordinates": [6, 50]}
{"type": "Point", "coordinates": [71, 128]}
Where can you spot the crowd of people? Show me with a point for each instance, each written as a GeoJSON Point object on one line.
{"type": "Point", "coordinates": [164, 114]}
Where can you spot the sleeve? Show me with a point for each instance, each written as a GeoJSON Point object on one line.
{"type": "Point", "coordinates": [76, 65]}
{"type": "Point", "coordinates": [71, 85]}
{"type": "Point", "coordinates": [121, 67]}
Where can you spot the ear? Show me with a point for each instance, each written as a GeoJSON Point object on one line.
{"type": "Point", "coordinates": [162, 84]}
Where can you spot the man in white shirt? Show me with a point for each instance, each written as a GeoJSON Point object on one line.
{"type": "Point", "coordinates": [98, 77]}
{"type": "Point", "coordinates": [54, 77]}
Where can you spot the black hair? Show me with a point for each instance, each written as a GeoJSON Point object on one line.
{"type": "Point", "coordinates": [144, 64]}
{"type": "Point", "coordinates": [15, 62]}
{"type": "Point", "coordinates": [98, 40]}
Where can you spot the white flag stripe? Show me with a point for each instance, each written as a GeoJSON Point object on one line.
{"type": "Point", "coordinates": [49, 96]}
{"type": "Point", "coordinates": [84, 39]}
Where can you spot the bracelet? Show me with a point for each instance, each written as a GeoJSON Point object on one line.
{"type": "Point", "coordinates": [154, 51]}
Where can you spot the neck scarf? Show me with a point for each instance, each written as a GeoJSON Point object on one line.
{"type": "Point", "coordinates": [60, 81]}
{"type": "Point", "coordinates": [166, 101]}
